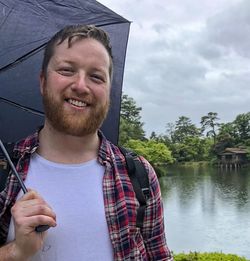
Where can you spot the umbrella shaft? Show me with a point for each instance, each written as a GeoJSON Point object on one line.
{"type": "Point", "coordinates": [13, 167]}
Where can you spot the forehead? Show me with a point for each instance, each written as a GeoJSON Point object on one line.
{"type": "Point", "coordinates": [80, 50]}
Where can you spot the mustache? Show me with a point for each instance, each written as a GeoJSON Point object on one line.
{"type": "Point", "coordinates": [86, 98]}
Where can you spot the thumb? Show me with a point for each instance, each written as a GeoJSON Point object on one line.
{"type": "Point", "coordinates": [31, 194]}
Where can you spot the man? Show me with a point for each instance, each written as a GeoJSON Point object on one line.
{"type": "Point", "coordinates": [85, 194]}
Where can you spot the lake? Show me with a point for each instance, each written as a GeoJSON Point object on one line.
{"type": "Point", "coordinates": [207, 209]}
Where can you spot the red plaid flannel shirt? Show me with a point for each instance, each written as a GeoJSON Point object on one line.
{"type": "Point", "coordinates": [129, 243]}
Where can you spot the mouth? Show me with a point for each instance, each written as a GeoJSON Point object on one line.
{"type": "Point", "coordinates": [77, 103]}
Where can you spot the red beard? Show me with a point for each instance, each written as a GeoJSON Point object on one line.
{"type": "Point", "coordinates": [77, 123]}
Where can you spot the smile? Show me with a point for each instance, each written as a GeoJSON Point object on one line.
{"type": "Point", "coordinates": [76, 103]}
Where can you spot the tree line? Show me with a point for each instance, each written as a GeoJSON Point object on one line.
{"type": "Point", "coordinates": [182, 140]}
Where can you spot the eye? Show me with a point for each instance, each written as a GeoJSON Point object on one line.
{"type": "Point", "coordinates": [66, 71]}
{"type": "Point", "coordinates": [97, 78]}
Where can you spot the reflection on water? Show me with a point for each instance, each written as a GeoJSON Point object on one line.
{"type": "Point", "coordinates": [207, 209]}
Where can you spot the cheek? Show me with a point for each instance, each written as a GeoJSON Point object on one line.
{"type": "Point", "coordinates": [58, 81]}
{"type": "Point", "coordinates": [56, 84]}
{"type": "Point", "coordinates": [103, 94]}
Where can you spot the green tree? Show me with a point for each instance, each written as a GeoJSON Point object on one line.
{"type": "Point", "coordinates": [183, 128]}
{"type": "Point", "coordinates": [153, 136]}
{"type": "Point", "coordinates": [170, 130]}
{"type": "Point", "coordinates": [192, 149]}
{"type": "Point", "coordinates": [131, 126]}
{"type": "Point", "coordinates": [225, 138]}
{"type": "Point", "coordinates": [227, 130]}
{"type": "Point", "coordinates": [186, 142]}
{"type": "Point", "coordinates": [242, 127]}
{"type": "Point", "coordinates": [236, 133]}
{"type": "Point", "coordinates": [210, 122]}
{"type": "Point", "coordinates": [161, 139]}
{"type": "Point", "coordinates": [152, 150]}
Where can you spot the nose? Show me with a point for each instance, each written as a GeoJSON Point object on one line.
{"type": "Point", "coordinates": [80, 84]}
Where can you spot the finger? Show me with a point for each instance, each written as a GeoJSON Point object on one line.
{"type": "Point", "coordinates": [31, 194]}
{"type": "Point", "coordinates": [31, 202]}
{"type": "Point", "coordinates": [38, 210]}
{"type": "Point", "coordinates": [42, 220]}
{"type": "Point", "coordinates": [31, 208]}
{"type": "Point", "coordinates": [31, 198]}
{"type": "Point", "coordinates": [34, 221]}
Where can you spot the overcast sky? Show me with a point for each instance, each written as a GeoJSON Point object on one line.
{"type": "Point", "coordinates": [186, 57]}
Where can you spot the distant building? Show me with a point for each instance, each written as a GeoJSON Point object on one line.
{"type": "Point", "coordinates": [232, 158]}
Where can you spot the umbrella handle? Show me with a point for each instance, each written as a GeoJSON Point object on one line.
{"type": "Point", "coordinates": [40, 228]}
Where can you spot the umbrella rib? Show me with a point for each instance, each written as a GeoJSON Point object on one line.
{"type": "Point", "coordinates": [36, 50]}
{"type": "Point", "coordinates": [25, 108]}
{"type": "Point", "coordinates": [1, 25]}
{"type": "Point", "coordinates": [112, 23]}
{"type": "Point", "coordinates": [22, 58]}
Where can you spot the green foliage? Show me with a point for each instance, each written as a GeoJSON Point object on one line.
{"type": "Point", "coordinates": [227, 130]}
{"type": "Point", "coordinates": [131, 126]}
{"type": "Point", "coordinates": [153, 136]}
{"type": "Point", "coordinates": [242, 127]}
{"type": "Point", "coordinates": [210, 122]}
{"type": "Point", "coordinates": [152, 150]}
{"type": "Point", "coordinates": [192, 149]}
{"type": "Point", "coordinates": [183, 128]}
{"type": "Point", "coordinates": [183, 140]}
{"type": "Point", "coordinates": [162, 139]}
{"type": "Point", "coordinates": [234, 134]}
{"type": "Point", "coordinates": [225, 138]}
{"type": "Point", "coordinates": [194, 256]}
{"type": "Point", "coordinates": [248, 152]}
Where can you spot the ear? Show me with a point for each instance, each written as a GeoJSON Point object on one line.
{"type": "Point", "coordinates": [42, 81]}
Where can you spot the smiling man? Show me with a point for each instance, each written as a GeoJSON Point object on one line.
{"type": "Point", "coordinates": [78, 179]}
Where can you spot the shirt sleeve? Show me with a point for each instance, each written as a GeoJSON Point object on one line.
{"type": "Point", "coordinates": [4, 215]}
{"type": "Point", "coordinates": [153, 226]}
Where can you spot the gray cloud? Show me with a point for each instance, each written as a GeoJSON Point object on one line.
{"type": "Point", "coordinates": [187, 58]}
{"type": "Point", "coordinates": [231, 28]}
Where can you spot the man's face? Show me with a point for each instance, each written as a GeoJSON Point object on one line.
{"type": "Point", "coordinates": [76, 88]}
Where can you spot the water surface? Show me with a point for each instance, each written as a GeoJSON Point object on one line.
{"type": "Point", "coordinates": [207, 210]}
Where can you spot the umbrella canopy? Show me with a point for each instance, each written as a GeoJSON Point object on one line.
{"type": "Point", "coordinates": [25, 28]}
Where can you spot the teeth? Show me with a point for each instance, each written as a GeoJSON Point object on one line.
{"type": "Point", "coordinates": [77, 103]}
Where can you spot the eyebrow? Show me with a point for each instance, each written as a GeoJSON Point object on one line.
{"type": "Point", "coordinates": [99, 69]}
{"type": "Point", "coordinates": [66, 61]}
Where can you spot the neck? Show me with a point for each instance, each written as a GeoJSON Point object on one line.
{"type": "Point", "coordinates": [63, 148]}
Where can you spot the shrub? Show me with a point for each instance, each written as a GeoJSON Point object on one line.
{"type": "Point", "coordinates": [194, 256]}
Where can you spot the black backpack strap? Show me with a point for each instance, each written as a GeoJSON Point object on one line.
{"type": "Point", "coordinates": [3, 174]}
{"type": "Point", "coordinates": [140, 181]}
{"type": "Point", "coordinates": [5, 168]}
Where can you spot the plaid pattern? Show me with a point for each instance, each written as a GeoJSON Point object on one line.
{"type": "Point", "coordinates": [129, 243]}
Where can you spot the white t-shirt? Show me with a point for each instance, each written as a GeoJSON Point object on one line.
{"type": "Point", "coordinates": [74, 191]}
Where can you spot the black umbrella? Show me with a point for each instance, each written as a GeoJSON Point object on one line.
{"type": "Point", "coordinates": [25, 27]}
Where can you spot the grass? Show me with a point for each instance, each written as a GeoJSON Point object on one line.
{"type": "Point", "coordinates": [194, 163]}
{"type": "Point", "coordinates": [214, 256]}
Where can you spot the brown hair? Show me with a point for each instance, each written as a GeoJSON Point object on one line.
{"type": "Point", "coordinates": [78, 32]}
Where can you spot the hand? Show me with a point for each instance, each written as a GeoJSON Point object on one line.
{"type": "Point", "coordinates": [29, 212]}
